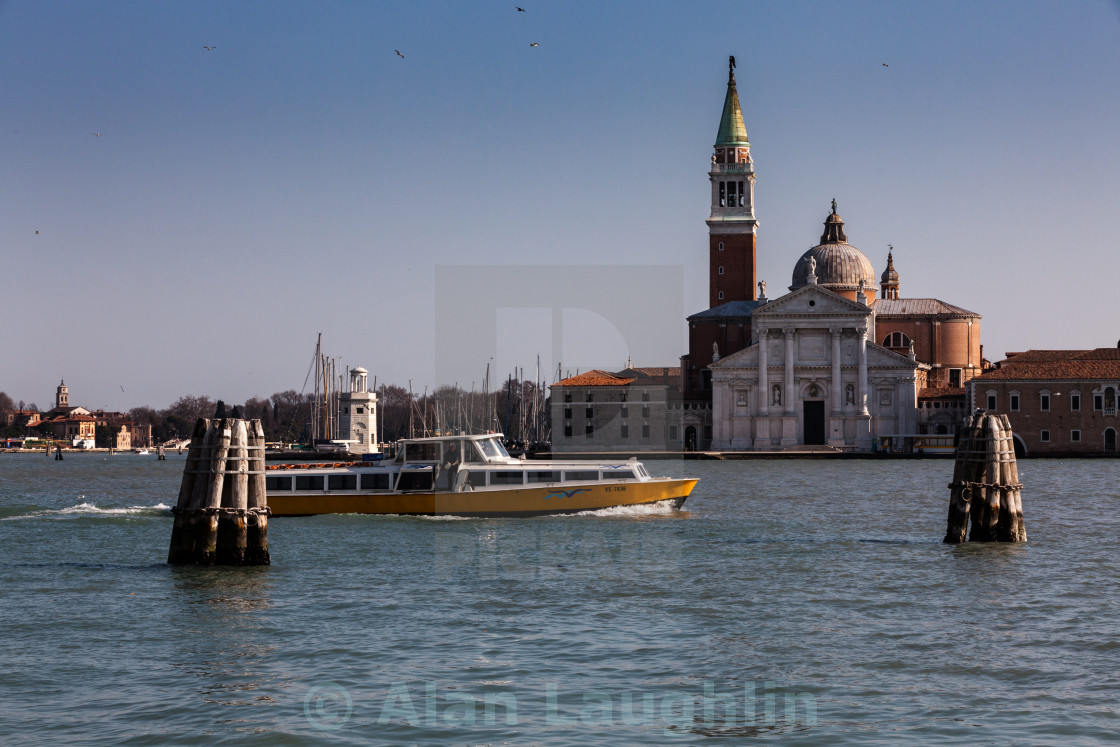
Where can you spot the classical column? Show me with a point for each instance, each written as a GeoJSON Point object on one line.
{"type": "Point", "coordinates": [861, 336]}
{"type": "Point", "coordinates": [787, 394]}
{"type": "Point", "coordinates": [763, 379]}
{"type": "Point", "coordinates": [837, 387]}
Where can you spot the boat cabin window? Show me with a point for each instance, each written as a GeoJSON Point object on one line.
{"type": "Point", "coordinates": [507, 477]}
{"type": "Point", "coordinates": [476, 479]}
{"type": "Point", "coordinates": [342, 482]}
{"type": "Point", "coordinates": [470, 454]}
{"type": "Point", "coordinates": [375, 482]}
{"type": "Point", "coordinates": [309, 482]}
{"type": "Point", "coordinates": [277, 483]}
{"type": "Point", "coordinates": [415, 480]}
{"type": "Point", "coordinates": [544, 476]}
{"type": "Point", "coordinates": [620, 474]}
{"type": "Point", "coordinates": [491, 449]}
{"type": "Point", "coordinates": [582, 475]}
{"type": "Point", "coordinates": [427, 451]}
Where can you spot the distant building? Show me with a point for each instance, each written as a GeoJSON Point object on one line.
{"type": "Point", "coordinates": [633, 410]}
{"type": "Point", "coordinates": [1059, 402]}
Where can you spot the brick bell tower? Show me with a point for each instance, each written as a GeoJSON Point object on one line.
{"type": "Point", "coordinates": [731, 225]}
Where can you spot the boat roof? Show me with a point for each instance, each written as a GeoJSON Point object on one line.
{"type": "Point", "coordinates": [460, 437]}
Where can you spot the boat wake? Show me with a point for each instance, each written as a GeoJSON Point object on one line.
{"type": "Point", "coordinates": [643, 509]}
{"type": "Point", "coordinates": [83, 510]}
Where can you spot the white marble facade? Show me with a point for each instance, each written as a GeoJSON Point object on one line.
{"type": "Point", "coordinates": [812, 376]}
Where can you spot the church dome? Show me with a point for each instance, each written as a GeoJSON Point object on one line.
{"type": "Point", "coordinates": [838, 265]}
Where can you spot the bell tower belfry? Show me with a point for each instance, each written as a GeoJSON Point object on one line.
{"type": "Point", "coordinates": [61, 395]}
{"type": "Point", "coordinates": [358, 419]}
{"type": "Point", "coordinates": [732, 225]}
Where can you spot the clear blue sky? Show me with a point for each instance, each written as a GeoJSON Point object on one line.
{"type": "Point", "coordinates": [301, 177]}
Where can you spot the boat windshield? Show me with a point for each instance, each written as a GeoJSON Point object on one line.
{"type": "Point", "coordinates": [492, 448]}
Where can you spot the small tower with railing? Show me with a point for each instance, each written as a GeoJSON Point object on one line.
{"type": "Point", "coordinates": [358, 414]}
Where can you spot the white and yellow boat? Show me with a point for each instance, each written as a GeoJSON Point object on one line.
{"type": "Point", "coordinates": [465, 476]}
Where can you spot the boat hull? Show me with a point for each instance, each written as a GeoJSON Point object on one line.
{"type": "Point", "coordinates": [535, 501]}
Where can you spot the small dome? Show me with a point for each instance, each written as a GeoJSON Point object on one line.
{"type": "Point", "coordinates": [358, 370]}
{"type": "Point", "coordinates": [839, 266]}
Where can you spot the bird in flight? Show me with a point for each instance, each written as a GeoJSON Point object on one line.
{"type": "Point", "coordinates": [520, 9]}
{"type": "Point", "coordinates": [533, 44]}
{"type": "Point", "coordinates": [208, 48]}
{"type": "Point", "coordinates": [399, 53]}
{"type": "Point", "coordinates": [885, 65]}
{"type": "Point", "coordinates": [36, 233]}
{"type": "Point", "coordinates": [98, 134]}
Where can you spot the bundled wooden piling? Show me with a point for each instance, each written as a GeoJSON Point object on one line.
{"type": "Point", "coordinates": [986, 490]}
{"type": "Point", "coordinates": [221, 517]}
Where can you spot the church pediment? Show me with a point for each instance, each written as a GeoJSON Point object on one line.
{"type": "Point", "coordinates": [745, 358]}
{"type": "Point", "coordinates": [810, 299]}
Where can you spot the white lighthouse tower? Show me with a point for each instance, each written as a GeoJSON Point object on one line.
{"type": "Point", "coordinates": [358, 419]}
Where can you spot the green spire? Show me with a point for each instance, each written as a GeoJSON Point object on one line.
{"type": "Point", "coordinates": [732, 131]}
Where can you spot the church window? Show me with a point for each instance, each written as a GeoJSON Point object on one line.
{"type": "Point", "coordinates": [625, 432]}
{"type": "Point", "coordinates": [721, 295]}
{"type": "Point", "coordinates": [1075, 436]}
{"type": "Point", "coordinates": [723, 194]}
{"type": "Point", "coordinates": [1046, 437]}
{"type": "Point", "coordinates": [991, 400]}
{"type": "Point", "coordinates": [645, 430]}
{"type": "Point", "coordinates": [721, 269]}
{"type": "Point", "coordinates": [954, 375]}
{"type": "Point", "coordinates": [359, 410]}
{"type": "Point", "coordinates": [1075, 401]}
{"type": "Point", "coordinates": [1014, 402]}
{"type": "Point", "coordinates": [1044, 401]}
{"type": "Point", "coordinates": [721, 246]}
{"type": "Point", "coordinates": [899, 340]}
{"type": "Point", "coordinates": [588, 413]}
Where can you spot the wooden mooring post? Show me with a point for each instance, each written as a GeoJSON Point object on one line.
{"type": "Point", "coordinates": [221, 517]}
{"type": "Point", "coordinates": [986, 488]}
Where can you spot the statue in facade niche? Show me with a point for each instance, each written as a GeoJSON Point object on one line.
{"type": "Point", "coordinates": [715, 351]}
{"type": "Point", "coordinates": [777, 396]}
{"type": "Point", "coordinates": [850, 395]}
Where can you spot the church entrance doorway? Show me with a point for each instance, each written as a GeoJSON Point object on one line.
{"type": "Point", "coordinates": [690, 438]}
{"type": "Point", "coordinates": [1110, 440]}
{"type": "Point", "coordinates": [814, 422]}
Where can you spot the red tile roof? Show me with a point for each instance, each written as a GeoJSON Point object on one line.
{"type": "Point", "coordinates": [595, 377]}
{"type": "Point", "coordinates": [941, 392]}
{"type": "Point", "coordinates": [1041, 365]}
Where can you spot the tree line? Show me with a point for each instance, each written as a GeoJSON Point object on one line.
{"type": "Point", "coordinates": [518, 409]}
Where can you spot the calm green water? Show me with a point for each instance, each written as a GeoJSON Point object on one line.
{"type": "Point", "coordinates": [808, 602]}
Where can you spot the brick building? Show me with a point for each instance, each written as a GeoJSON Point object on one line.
{"type": "Point", "coordinates": [636, 409]}
{"type": "Point", "coordinates": [1059, 402]}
